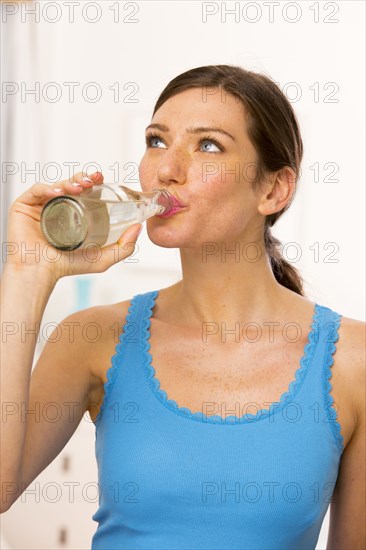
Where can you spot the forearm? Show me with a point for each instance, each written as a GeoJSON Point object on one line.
{"type": "Point", "coordinates": [24, 296]}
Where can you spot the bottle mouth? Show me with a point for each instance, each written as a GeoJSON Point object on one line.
{"type": "Point", "coordinates": [165, 200]}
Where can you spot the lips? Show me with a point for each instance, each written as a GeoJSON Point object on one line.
{"type": "Point", "coordinates": [177, 203]}
{"type": "Point", "coordinates": [177, 207]}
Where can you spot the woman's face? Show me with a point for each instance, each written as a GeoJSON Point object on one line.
{"type": "Point", "coordinates": [206, 170]}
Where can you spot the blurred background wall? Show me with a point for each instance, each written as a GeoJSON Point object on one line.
{"type": "Point", "coordinates": [80, 80]}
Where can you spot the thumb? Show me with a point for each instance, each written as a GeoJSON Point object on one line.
{"type": "Point", "coordinates": [127, 242]}
{"type": "Point", "coordinates": [130, 234]}
{"type": "Point", "coordinates": [124, 247]}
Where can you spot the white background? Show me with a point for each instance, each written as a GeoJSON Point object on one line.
{"type": "Point", "coordinates": [314, 50]}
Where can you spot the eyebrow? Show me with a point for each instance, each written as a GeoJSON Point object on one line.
{"type": "Point", "coordinates": [197, 130]}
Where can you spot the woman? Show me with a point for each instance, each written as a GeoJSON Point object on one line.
{"type": "Point", "coordinates": [217, 425]}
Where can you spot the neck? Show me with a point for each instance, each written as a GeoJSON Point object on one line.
{"type": "Point", "coordinates": [226, 284]}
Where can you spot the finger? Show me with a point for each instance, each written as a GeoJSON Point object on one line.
{"type": "Point", "coordinates": [131, 233]}
{"type": "Point", "coordinates": [123, 248]}
{"type": "Point", "coordinates": [96, 177]}
{"type": "Point", "coordinates": [80, 181]}
{"type": "Point", "coordinates": [38, 194]}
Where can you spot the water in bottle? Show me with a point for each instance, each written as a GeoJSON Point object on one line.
{"type": "Point", "coordinates": [99, 215]}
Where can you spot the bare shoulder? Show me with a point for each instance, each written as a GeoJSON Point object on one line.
{"type": "Point", "coordinates": [348, 370]}
{"type": "Point", "coordinates": [99, 329]}
{"type": "Point", "coordinates": [351, 364]}
{"type": "Point", "coordinates": [347, 511]}
{"type": "Point", "coordinates": [352, 336]}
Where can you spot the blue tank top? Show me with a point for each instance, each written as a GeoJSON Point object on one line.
{"type": "Point", "coordinates": [173, 479]}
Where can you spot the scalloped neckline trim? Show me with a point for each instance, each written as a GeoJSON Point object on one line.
{"type": "Point", "coordinates": [172, 405]}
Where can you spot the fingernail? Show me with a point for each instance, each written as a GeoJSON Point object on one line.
{"type": "Point", "coordinates": [76, 184]}
{"type": "Point", "coordinates": [96, 175]}
{"type": "Point", "coordinates": [57, 189]}
{"type": "Point", "coordinates": [87, 179]}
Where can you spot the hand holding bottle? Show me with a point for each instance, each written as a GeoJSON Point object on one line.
{"type": "Point", "coordinates": [99, 214]}
{"type": "Point", "coordinates": [25, 235]}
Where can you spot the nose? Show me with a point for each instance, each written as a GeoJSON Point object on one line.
{"type": "Point", "coordinates": [173, 167]}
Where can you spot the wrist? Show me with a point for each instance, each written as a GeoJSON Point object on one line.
{"type": "Point", "coordinates": [33, 275]}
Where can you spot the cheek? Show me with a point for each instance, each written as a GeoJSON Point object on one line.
{"type": "Point", "coordinates": [223, 208]}
{"type": "Point", "coordinates": [218, 197]}
{"type": "Point", "coordinates": [146, 173]}
{"type": "Point", "coordinates": [217, 213]}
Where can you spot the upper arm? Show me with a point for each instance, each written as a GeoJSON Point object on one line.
{"type": "Point", "coordinates": [60, 385]}
{"type": "Point", "coordinates": [347, 509]}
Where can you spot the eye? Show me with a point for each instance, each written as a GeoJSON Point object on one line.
{"type": "Point", "coordinates": [212, 142]}
{"type": "Point", "coordinates": [150, 139]}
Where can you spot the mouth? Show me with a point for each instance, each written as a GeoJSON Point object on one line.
{"type": "Point", "coordinates": [177, 207]}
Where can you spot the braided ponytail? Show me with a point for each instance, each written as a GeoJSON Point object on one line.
{"type": "Point", "coordinates": [283, 271]}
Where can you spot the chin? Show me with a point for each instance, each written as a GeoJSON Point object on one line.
{"type": "Point", "coordinates": [164, 239]}
{"type": "Point", "coordinates": [168, 237]}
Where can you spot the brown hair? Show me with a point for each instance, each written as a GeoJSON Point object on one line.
{"type": "Point", "coordinates": [273, 130]}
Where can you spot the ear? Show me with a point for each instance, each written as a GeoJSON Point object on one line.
{"type": "Point", "coordinates": [277, 191]}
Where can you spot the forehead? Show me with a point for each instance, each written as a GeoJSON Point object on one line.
{"type": "Point", "coordinates": [206, 104]}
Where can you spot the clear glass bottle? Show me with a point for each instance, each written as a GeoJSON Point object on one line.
{"type": "Point", "coordinates": [99, 215]}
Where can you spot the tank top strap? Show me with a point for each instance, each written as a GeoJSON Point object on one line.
{"type": "Point", "coordinates": [146, 302]}
{"type": "Point", "coordinates": [136, 322]}
{"type": "Point", "coordinates": [317, 388]}
{"type": "Point", "coordinates": [331, 324]}
{"type": "Point", "coordinates": [137, 319]}
{"type": "Point", "coordinates": [135, 330]}
{"type": "Point", "coordinates": [124, 372]}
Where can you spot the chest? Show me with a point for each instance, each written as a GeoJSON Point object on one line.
{"type": "Point", "coordinates": [234, 375]}
{"type": "Point", "coordinates": [231, 377]}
